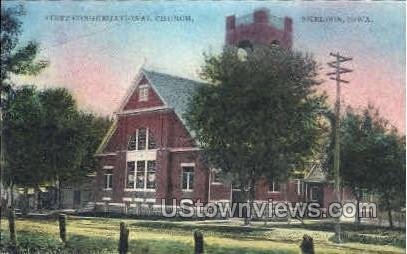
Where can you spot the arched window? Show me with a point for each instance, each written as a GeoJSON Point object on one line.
{"type": "Point", "coordinates": [151, 140]}
{"type": "Point", "coordinates": [141, 140]}
{"type": "Point", "coordinates": [132, 143]}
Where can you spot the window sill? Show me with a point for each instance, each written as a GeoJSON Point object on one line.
{"type": "Point", "coordinates": [139, 190]}
{"type": "Point", "coordinates": [183, 190]}
{"type": "Point", "coordinates": [216, 183]}
{"type": "Point", "coordinates": [107, 189]}
{"type": "Point", "coordinates": [274, 192]}
{"type": "Point", "coordinates": [142, 150]}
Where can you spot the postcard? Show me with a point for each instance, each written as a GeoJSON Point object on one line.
{"type": "Point", "coordinates": [203, 127]}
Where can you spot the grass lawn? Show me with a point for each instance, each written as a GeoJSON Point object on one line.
{"type": "Point", "coordinates": [100, 235]}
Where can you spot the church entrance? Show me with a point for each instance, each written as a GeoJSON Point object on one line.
{"type": "Point", "coordinates": [315, 193]}
{"type": "Point", "coordinates": [238, 197]}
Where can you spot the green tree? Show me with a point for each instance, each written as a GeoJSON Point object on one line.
{"type": "Point", "coordinates": [89, 131]}
{"type": "Point", "coordinates": [388, 168]}
{"type": "Point", "coordinates": [48, 140]}
{"type": "Point", "coordinates": [63, 152]}
{"type": "Point", "coordinates": [70, 138]}
{"type": "Point", "coordinates": [258, 115]}
{"type": "Point", "coordinates": [24, 158]}
{"type": "Point", "coordinates": [357, 130]}
{"type": "Point", "coordinates": [15, 58]}
{"type": "Point", "coordinates": [372, 158]}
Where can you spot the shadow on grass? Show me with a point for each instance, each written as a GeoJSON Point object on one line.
{"type": "Point", "coordinates": [220, 228]}
{"type": "Point", "coordinates": [229, 231]}
{"type": "Point", "coordinates": [350, 227]}
{"type": "Point", "coordinates": [29, 242]}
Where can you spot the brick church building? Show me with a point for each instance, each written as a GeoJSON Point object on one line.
{"type": "Point", "coordinates": [149, 153]}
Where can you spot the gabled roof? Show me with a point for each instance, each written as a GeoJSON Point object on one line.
{"type": "Point", "coordinates": [316, 173]}
{"type": "Point", "coordinates": [175, 92]}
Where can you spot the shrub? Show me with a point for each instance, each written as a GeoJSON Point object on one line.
{"type": "Point", "coordinates": [395, 240]}
{"type": "Point", "coordinates": [32, 243]}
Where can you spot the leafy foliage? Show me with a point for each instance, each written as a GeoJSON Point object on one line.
{"type": "Point", "coordinates": [395, 240]}
{"type": "Point", "coordinates": [70, 137]}
{"type": "Point", "coordinates": [259, 115]}
{"type": "Point", "coordinates": [16, 59]}
{"type": "Point", "coordinates": [372, 157]}
{"type": "Point", "coordinates": [24, 157]}
{"type": "Point", "coordinates": [48, 138]}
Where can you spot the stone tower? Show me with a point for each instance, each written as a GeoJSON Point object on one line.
{"type": "Point", "coordinates": [259, 27]}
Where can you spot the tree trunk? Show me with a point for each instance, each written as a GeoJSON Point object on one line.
{"type": "Point", "coordinates": [25, 203]}
{"type": "Point", "coordinates": [59, 195]}
{"type": "Point", "coordinates": [250, 194]}
{"type": "Point", "coordinates": [247, 211]}
{"type": "Point", "coordinates": [389, 212]}
{"type": "Point", "coordinates": [12, 230]}
{"type": "Point", "coordinates": [11, 222]}
{"type": "Point", "coordinates": [358, 195]}
{"type": "Point", "coordinates": [12, 195]}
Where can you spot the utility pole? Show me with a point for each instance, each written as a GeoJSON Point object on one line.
{"type": "Point", "coordinates": [336, 75]}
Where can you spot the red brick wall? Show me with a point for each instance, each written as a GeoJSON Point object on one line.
{"type": "Point", "coordinates": [168, 132]}
{"type": "Point", "coordinates": [220, 192]}
{"type": "Point", "coordinates": [330, 196]}
{"type": "Point", "coordinates": [104, 161]}
{"type": "Point", "coordinates": [153, 99]}
{"type": "Point", "coordinates": [287, 192]}
{"type": "Point", "coordinates": [167, 129]}
{"type": "Point", "coordinates": [201, 176]}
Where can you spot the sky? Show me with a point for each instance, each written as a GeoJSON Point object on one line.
{"type": "Point", "coordinates": [98, 61]}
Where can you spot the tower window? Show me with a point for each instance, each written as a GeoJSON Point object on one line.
{"type": "Point", "coordinates": [275, 43]}
{"type": "Point", "coordinates": [246, 45]}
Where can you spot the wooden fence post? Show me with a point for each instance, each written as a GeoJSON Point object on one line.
{"type": "Point", "coordinates": [12, 229]}
{"type": "Point", "coordinates": [307, 245]}
{"type": "Point", "coordinates": [199, 242]}
{"type": "Point", "coordinates": [62, 227]}
{"type": "Point", "coordinates": [124, 238]}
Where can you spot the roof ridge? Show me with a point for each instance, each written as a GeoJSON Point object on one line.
{"type": "Point", "coordinates": [172, 75]}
